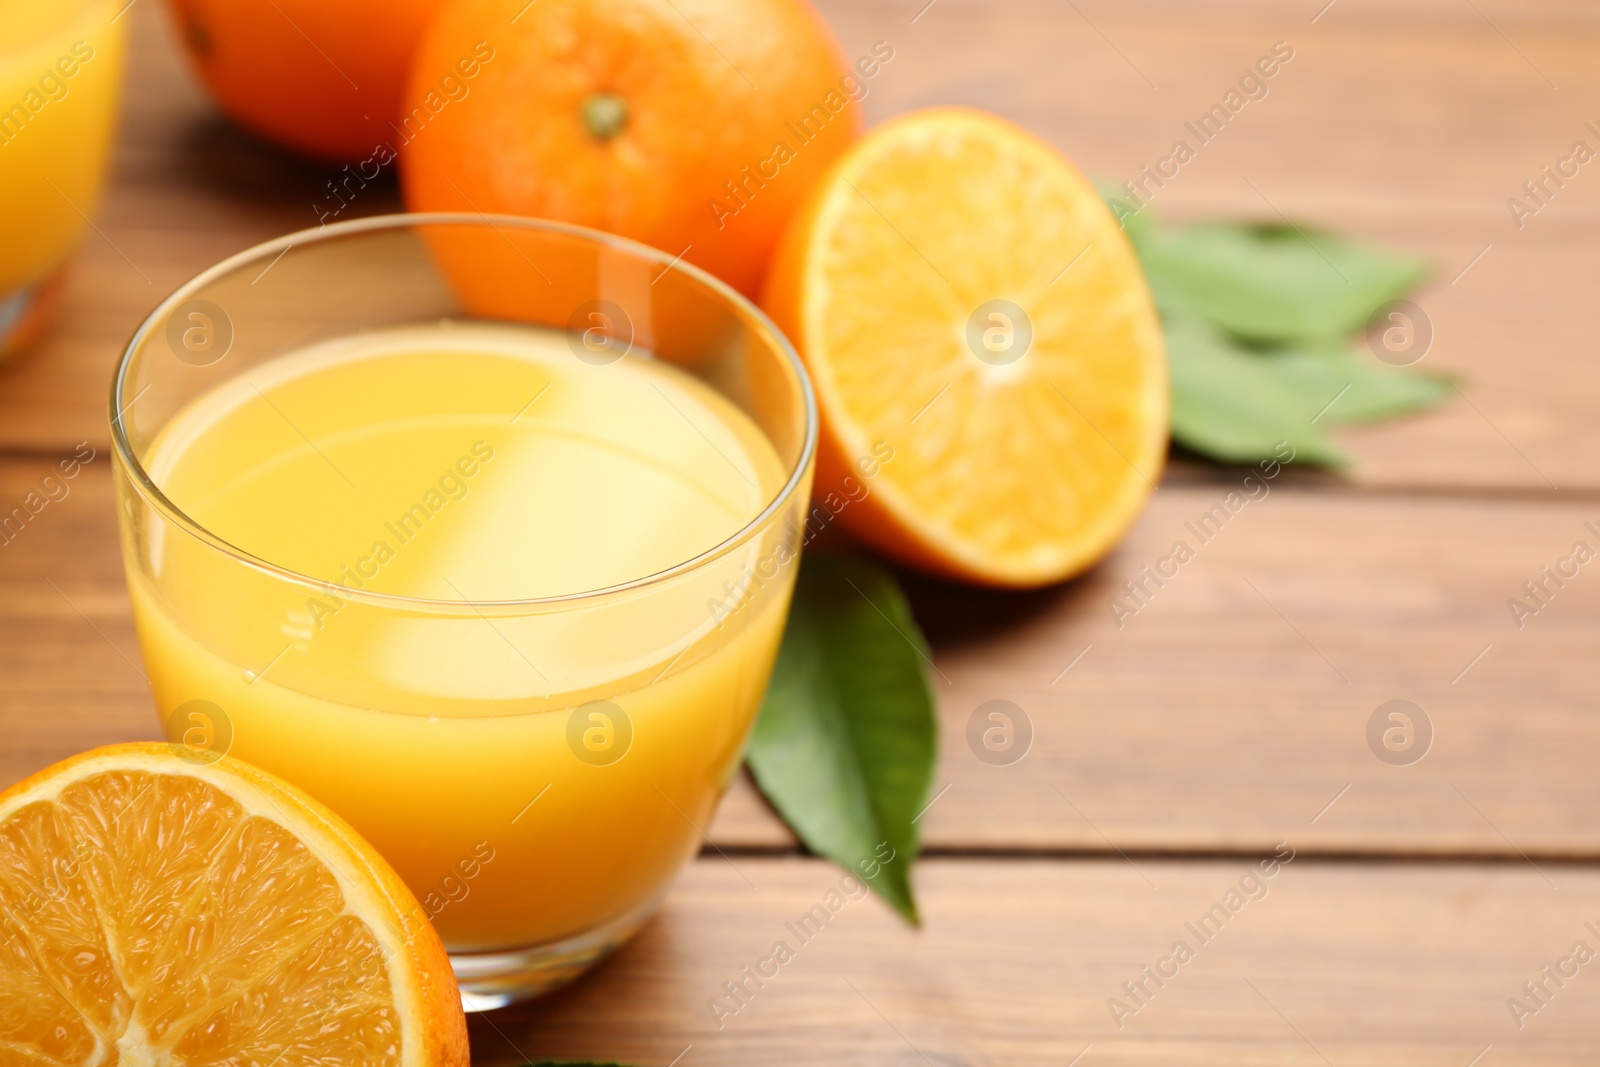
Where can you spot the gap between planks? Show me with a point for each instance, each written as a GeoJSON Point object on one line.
{"type": "Point", "coordinates": [1194, 475]}
{"type": "Point", "coordinates": [1326, 857]}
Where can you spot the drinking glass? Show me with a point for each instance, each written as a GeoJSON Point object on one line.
{"type": "Point", "coordinates": [60, 74]}
{"type": "Point", "coordinates": [537, 816]}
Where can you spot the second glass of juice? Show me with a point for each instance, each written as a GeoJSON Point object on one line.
{"type": "Point", "coordinates": [483, 532]}
{"type": "Point", "coordinates": [60, 73]}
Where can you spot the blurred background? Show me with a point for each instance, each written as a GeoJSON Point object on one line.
{"type": "Point", "coordinates": [1226, 721]}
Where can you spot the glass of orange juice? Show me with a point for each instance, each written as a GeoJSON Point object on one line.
{"type": "Point", "coordinates": [483, 532]}
{"type": "Point", "coordinates": [60, 72]}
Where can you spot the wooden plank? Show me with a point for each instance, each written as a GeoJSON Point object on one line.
{"type": "Point", "coordinates": [1336, 964]}
{"type": "Point", "coordinates": [1365, 124]}
{"type": "Point", "coordinates": [1407, 123]}
{"type": "Point", "coordinates": [1234, 704]}
{"type": "Point", "coordinates": [1225, 713]}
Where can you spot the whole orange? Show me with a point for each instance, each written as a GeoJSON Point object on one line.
{"type": "Point", "coordinates": [321, 77]}
{"type": "Point", "coordinates": [696, 126]}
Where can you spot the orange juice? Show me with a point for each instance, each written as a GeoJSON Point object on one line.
{"type": "Point", "coordinates": [532, 772]}
{"type": "Point", "coordinates": [60, 68]}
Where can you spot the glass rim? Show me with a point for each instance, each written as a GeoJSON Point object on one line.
{"type": "Point", "coordinates": [122, 447]}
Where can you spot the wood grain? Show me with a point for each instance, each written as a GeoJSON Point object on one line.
{"type": "Point", "coordinates": [1410, 124]}
{"type": "Point", "coordinates": [1337, 964]}
{"type": "Point", "coordinates": [1226, 713]}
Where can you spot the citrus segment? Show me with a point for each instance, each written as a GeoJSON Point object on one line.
{"type": "Point", "coordinates": [965, 302]}
{"type": "Point", "coordinates": [157, 911]}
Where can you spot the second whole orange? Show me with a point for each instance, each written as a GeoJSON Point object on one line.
{"type": "Point", "coordinates": [695, 126]}
{"type": "Point", "coordinates": [321, 78]}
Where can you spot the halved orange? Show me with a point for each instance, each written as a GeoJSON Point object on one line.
{"type": "Point", "coordinates": [159, 911]}
{"type": "Point", "coordinates": [968, 306]}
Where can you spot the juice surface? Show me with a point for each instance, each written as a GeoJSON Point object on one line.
{"type": "Point", "coordinates": [471, 463]}
{"type": "Point", "coordinates": [60, 68]}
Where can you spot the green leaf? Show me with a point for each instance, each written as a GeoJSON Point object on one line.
{"type": "Point", "coordinates": [1236, 406]}
{"type": "Point", "coordinates": [845, 745]}
{"type": "Point", "coordinates": [1257, 321]}
{"type": "Point", "coordinates": [1137, 221]}
{"type": "Point", "coordinates": [1271, 284]}
{"type": "Point", "coordinates": [1367, 391]}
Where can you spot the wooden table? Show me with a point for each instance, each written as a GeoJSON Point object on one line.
{"type": "Point", "coordinates": [1171, 754]}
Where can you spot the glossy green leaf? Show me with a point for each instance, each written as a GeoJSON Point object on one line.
{"type": "Point", "coordinates": [1361, 388]}
{"type": "Point", "coordinates": [1271, 284]}
{"type": "Point", "coordinates": [845, 745]}
{"type": "Point", "coordinates": [1237, 406]}
{"type": "Point", "coordinates": [1258, 322]}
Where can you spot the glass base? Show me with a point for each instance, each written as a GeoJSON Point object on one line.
{"type": "Point", "coordinates": [24, 312]}
{"type": "Point", "coordinates": [490, 980]}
